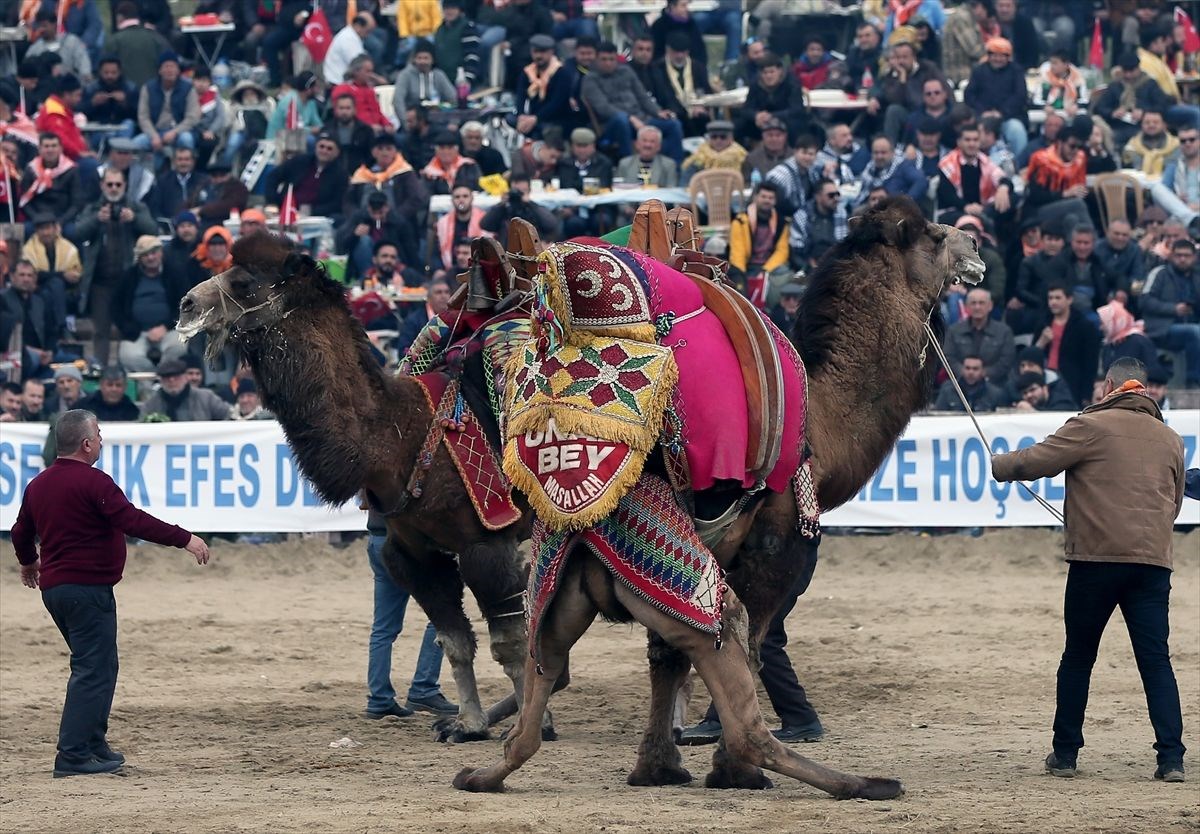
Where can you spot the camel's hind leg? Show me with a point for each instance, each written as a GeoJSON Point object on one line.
{"type": "Point", "coordinates": [727, 675]}
{"type": "Point", "coordinates": [659, 762]}
{"type": "Point", "coordinates": [569, 616]}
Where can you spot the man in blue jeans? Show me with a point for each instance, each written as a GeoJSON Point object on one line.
{"type": "Point", "coordinates": [1125, 486]}
{"type": "Point", "coordinates": [391, 601]}
{"type": "Point", "coordinates": [617, 99]}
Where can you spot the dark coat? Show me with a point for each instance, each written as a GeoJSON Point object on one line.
{"type": "Point", "coordinates": [555, 107]}
{"type": "Point", "coordinates": [176, 286]}
{"type": "Point", "coordinates": [62, 199]}
{"type": "Point", "coordinates": [983, 396]}
{"type": "Point", "coordinates": [92, 236]}
{"type": "Point", "coordinates": [358, 150]}
{"type": "Point", "coordinates": [664, 93]}
{"type": "Point", "coordinates": [785, 102]}
{"type": "Point", "coordinates": [1104, 283]}
{"type": "Point", "coordinates": [571, 176]}
{"type": "Point", "coordinates": [1149, 96]}
{"type": "Point", "coordinates": [664, 25]}
{"type": "Point", "coordinates": [405, 192]}
{"type": "Point", "coordinates": [996, 348]}
{"type": "Point", "coordinates": [1078, 356]}
{"type": "Point", "coordinates": [1002, 90]}
{"type": "Point", "coordinates": [110, 112]}
{"type": "Point", "coordinates": [331, 185]}
{"type": "Point", "coordinates": [125, 411]}
{"type": "Point", "coordinates": [389, 230]}
{"type": "Point", "coordinates": [12, 310]}
{"type": "Point", "coordinates": [167, 198]}
{"type": "Point", "coordinates": [891, 90]}
{"type": "Point", "coordinates": [1161, 294]}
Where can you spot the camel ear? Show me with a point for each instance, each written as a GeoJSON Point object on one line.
{"type": "Point", "coordinates": [901, 233]}
{"type": "Point", "coordinates": [297, 264]}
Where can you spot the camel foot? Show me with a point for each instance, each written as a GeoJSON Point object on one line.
{"type": "Point", "coordinates": [747, 777]}
{"type": "Point", "coordinates": [875, 787]}
{"type": "Point", "coordinates": [647, 775]}
{"type": "Point", "coordinates": [451, 731]}
{"type": "Point", "coordinates": [477, 781]}
{"type": "Point", "coordinates": [549, 734]}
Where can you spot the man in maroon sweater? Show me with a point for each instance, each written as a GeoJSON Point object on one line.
{"type": "Point", "coordinates": [79, 518]}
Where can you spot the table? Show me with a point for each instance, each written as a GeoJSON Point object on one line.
{"type": "Point", "coordinates": [603, 8]}
{"type": "Point", "coordinates": [568, 197]}
{"type": "Point", "coordinates": [12, 35]}
{"type": "Point", "coordinates": [835, 100]}
{"type": "Point", "coordinates": [221, 30]}
{"type": "Point", "coordinates": [102, 129]}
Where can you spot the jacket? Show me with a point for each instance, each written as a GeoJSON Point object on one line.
{"type": "Point", "coordinates": [908, 93]}
{"type": "Point", "coordinates": [138, 48]}
{"type": "Point", "coordinates": [996, 348]}
{"type": "Point", "coordinates": [619, 92]}
{"type": "Point", "coordinates": [388, 229]}
{"type": "Point", "coordinates": [366, 105]}
{"type": "Point", "coordinates": [664, 25]}
{"type": "Point", "coordinates": [331, 185]}
{"type": "Point", "coordinates": [66, 256]}
{"type": "Point", "coordinates": [40, 313]}
{"type": "Point", "coordinates": [110, 112]}
{"type": "Point", "coordinates": [785, 101]}
{"type": "Point", "coordinates": [1161, 294]}
{"type": "Point", "coordinates": [554, 107]}
{"type": "Point", "coordinates": [176, 286]}
{"type": "Point", "coordinates": [125, 411]}
{"type": "Point", "coordinates": [1125, 479]}
{"type": "Point", "coordinates": [1125, 265]}
{"type": "Point", "coordinates": [159, 112]}
{"type": "Point", "coordinates": [413, 87]}
{"type": "Point", "coordinates": [356, 150]}
{"type": "Point", "coordinates": [1148, 96]}
{"type": "Point", "coordinates": [741, 244]}
{"type": "Point", "coordinates": [201, 404]}
{"type": "Point", "coordinates": [1078, 355]}
{"type": "Point", "coordinates": [962, 45]}
{"type": "Point", "coordinates": [457, 45]}
{"type": "Point", "coordinates": [664, 173]}
{"type": "Point", "coordinates": [94, 235]}
{"type": "Point", "coordinates": [57, 118]}
{"type": "Point", "coordinates": [983, 396]}
{"type": "Point", "coordinates": [571, 175]}
{"type": "Point", "coordinates": [418, 18]}
{"type": "Point", "coordinates": [169, 197]}
{"type": "Point", "coordinates": [1003, 90]}
{"type": "Point", "coordinates": [62, 199]}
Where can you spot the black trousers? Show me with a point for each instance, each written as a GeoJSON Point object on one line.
{"type": "Point", "coordinates": [1142, 592]}
{"type": "Point", "coordinates": [784, 690]}
{"type": "Point", "coordinates": [87, 617]}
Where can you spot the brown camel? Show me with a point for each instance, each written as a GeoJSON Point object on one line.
{"type": "Point", "coordinates": [354, 427]}
{"type": "Point", "coordinates": [862, 336]}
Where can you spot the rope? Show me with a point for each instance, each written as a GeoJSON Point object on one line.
{"type": "Point", "coordinates": [933, 340]}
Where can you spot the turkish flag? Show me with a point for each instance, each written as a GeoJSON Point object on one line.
{"type": "Point", "coordinates": [1191, 40]}
{"type": "Point", "coordinates": [288, 216]}
{"type": "Point", "coordinates": [1096, 55]}
{"type": "Point", "coordinates": [292, 120]}
{"type": "Point", "coordinates": [317, 35]}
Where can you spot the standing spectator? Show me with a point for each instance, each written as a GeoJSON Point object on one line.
{"type": "Point", "coordinates": [1120, 257]}
{"type": "Point", "coordinates": [543, 90]}
{"type": "Point", "coordinates": [179, 188]}
{"type": "Point", "coordinates": [817, 226]}
{"type": "Point", "coordinates": [135, 45]}
{"type": "Point", "coordinates": [47, 40]}
{"type": "Point", "coordinates": [1121, 462]}
{"type": "Point", "coordinates": [1179, 191]}
{"type": "Point", "coordinates": [717, 151]}
{"type": "Point", "coordinates": [773, 95]}
{"type": "Point", "coordinates": [146, 307]}
{"type": "Point", "coordinates": [758, 248]}
{"type": "Point", "coordinates": [456, 43]}
{"type": "Point", "coordinates": [1061, 85]}
{"type": "Point", "coordinates": [181, 402]}
{"type": "Point", "coordinates": [1059, 172]}
{"type": "Point", "coordinates": [772, 151]}
{"type": "Point", "coordinates": [892, 172]}
{"type": "Point", "coordinates": [622, 104]}
{"type": "Point", "coordinates": [109, 402]}
{"type": "Point", "coordinates": [646, 164]}
{"type": "Point", "coordinates": [225, 193]}
{"type": "Point", "coordinates": [794, 178]}
{"type": "Point", "coordinates": [866, 54]}
{"type": "Point", "coordinates": [899, 91]}
{"type": "Point", "coordinates": [1127, 98]}
{"type": "Point", "coordinates": [462, 223]}
{"type": "Point", "coordinates": [69, 537]}
{"type": "Point", "coordinates": [21, 302]}
{"type": "Point", "coordinates": [981, 395]}
{"type": "Point", "coordinates": [677, 80]}
{"type": "Point", "coordinates": [1170, 302]}
{"type": "Point", "coordinates": [997, 88]}
{"type": "Point", "coordinates": [318, 180]}
{"type": "Point", "coordinates": [676, 17]}
{"type": "Point", "coordinates": [1071, 342]}
{"type": "Point", "coordinates": [522, 20]}
{"type": "Point", "coordinates": [968, 28]}
{"type": "Point", "coordinates": [489, 160]}
{"type": "Point", "coordinates": [168, 108]}
{"type": "Point", "coordinates": [1150, 149]}
{"type": "Point", "coordinates": [1020, 31]}
{"type": "Point", "coordinates": [352, 134]}
{"type": "Point", "coordinates": [842, 159]}
{"type": "Point", "coordinates": [346, 46]}
{"type": "Point", "coordinates": [111, 100]}
{"type": "Point", "coordinates": [421, 84]}
{"type": "Point", "coordinates": [983, 336]}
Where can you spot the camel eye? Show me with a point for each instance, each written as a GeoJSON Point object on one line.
{"type": "Point", "coordinates": [240, 283]}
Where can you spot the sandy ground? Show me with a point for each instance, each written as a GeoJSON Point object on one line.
{"type": "Point", "coordinates": [930, 659]}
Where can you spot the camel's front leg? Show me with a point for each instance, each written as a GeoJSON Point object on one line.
{"type": "Point", "coordinates": [659, 762]}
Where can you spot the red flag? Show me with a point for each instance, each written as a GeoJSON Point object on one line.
{"type": "Point", "coordinates": [317, 35]}
{"type": "Point", "coordinates": [1191, 40]}
{"type": "Point", "coordinates": [1096, 55]}
{"type": "Point", "coordinates": [292, 120]}
{"type": "Point", "coordinates": [288, 217]}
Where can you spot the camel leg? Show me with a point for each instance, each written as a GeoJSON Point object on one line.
{"type": "Point", "coordinates": [508, 706]}
{"type": "Point", "coordinates": [727, 675]}
{"type": "Point", "coordinates": [659, 762]}
{"type": "Point", "coordinates": [569, 616]}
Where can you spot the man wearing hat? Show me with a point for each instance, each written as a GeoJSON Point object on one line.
{"type": "Point", "coordinates": [449, 168]}
{"type": "Point", "coordinates": [787, 311]}
{"type": "Point", "coordinates": [181, 402]}
{"type": "Point", "coordinates": [543, 90]}
{"type": "Point", "coordinates": [109, 402]}
{"type": "Point", "coordinates": [177, 254]}
{"type": "Point", "coordinates": [583, 162]}
{"type": "Point", "coordinates": [997, 88]}
{"type": "Point", "coordinates": [421, 82]}
{"type": "Point", "coordinates": [718, 150]}
{"type": "Point", "coordinates": [393, 176]}
{"type": "Point", "coordinates": [110, 100]}
{"type": "Point", "coordinates": [68, 390]}
{"type": "Point", "coordinates": [146, 307]}
{"type": "Point", "coordinates": [620, 103]}
{"type": "Point", "coordinates": [58, 267]}
{"type": "Point", "coordinates": [677, 80]}
{"type": "Point", "coordinates": [366, 227]}
{"type": "Point", "coordinates": [122, 154]}
{"type": "Point", "coordinates": [248, 405]}
{"type": "Point", "coordinates": [179, 188]}
{"type": "Point", "coordinates": [168, 108]}
{"type": "Point", "coordinates": [225, 193]}
{"type": "Point", "coordinates": [772, 151]}
{"type": "Point", "coordinates": [318, 180]}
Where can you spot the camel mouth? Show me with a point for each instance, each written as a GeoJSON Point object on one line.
{"type": "Point", "coordinates": [194, 324]}
{"type": "Point", "coordinates": [969, 270]}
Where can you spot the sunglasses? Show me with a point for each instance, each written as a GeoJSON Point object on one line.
{"type": "Point", "coordinates": [829, 195]}
{"type": "Point", "coordinates": [114, 184]}
{"type": "Point", "coordinates": [719, 136]}
{"type": "Point", "coordinates": [1187, 140]}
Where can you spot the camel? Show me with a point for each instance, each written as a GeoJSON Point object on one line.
{"type": "Point", "coordinates": [354, 427]}
{"type": "Point", "coordinates": [862, 335]}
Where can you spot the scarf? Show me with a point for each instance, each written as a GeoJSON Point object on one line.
{"type": "Point", "coordinates": [1061, 91]}
{"type": "Point", "coordinates": [873, 178]}
{"type": "Point", "coordinates": [540, 82]}
{"type": "Point", "coordinates": [208, 101]}
{"type": "Point", "coordinates": [435, 171]}
{"type": "Point", "coordinates": [445, 233]}
{"type": "Point", "coordinates": [903, 10]}
{"type": "Point", "coordinates": [44, 178]}
{"type": "Point", "coordinates": [1117, 323]}
{"type": "Point", "coordinates": [1129, 386]}
{"type": "Point", "coordinates": [686, 93]}
{"type": "Point", "coordinates": [1154, 160]}
{"type": "Point", "coordinates": [989, 174]}
{"type": "Point", "coordinates": [365, 176]}
{"type": "Point", "coordinates": [705, 158]}
{"type": "Point", "coordinates": [174, 402]}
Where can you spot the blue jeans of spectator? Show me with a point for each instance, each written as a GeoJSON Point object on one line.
{"type": "Point", "coordinates": [1186, 339]}
{"type": "Point", "coordinates": [390, 603]}
{"type": "Point", "coordinates": [727, 23]}
{"type": "Point", "coordinates": [620, 132]}
{"type": "Point", "coordinates": [1015, 135]}
{"type": "Point", "coordinates": [233, 144]}
{"type": "Point", "coordinates": [489, 38]}
{"type": "Point", "coordinates": [576, 28]}
{"type": "Point", "coordinates": [276, 40]}
{"type": "Point", "coordinates": [86, 616]}
{"type": "Point", "coordinates": [1094, 590]}
{"type": "Point", "coordinates": [184, 140]}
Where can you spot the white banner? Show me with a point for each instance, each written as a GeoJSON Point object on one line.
{"type": "Point", "coordinates": [241, 477]}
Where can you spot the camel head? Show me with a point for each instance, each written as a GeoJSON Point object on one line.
{"type": "Point", "coordinates": [269, 279]}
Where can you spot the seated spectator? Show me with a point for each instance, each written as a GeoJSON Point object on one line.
{"type": "Point", "coordinates": [248, 405]}
{"type": "Point", "coordinates": [1179, 191]}
{"type": "Point", "coordinates": [646, 164]}
{"type": "Point", "coordinates": [463, 222]}
{"type": "Point", "coordinates": [177, 254]}
{"type": "Point", "coordinates": [10, 403]}
{"type": "Point", "coordinates": [489, 160]}
{"type": "Point", "coordinates": [391, 175]}
{"type": "Point", "coordinates": [522, 20]}
{"type": "Point", "coordinates": [146, 307]}
{"type": "Point", "coordinates": [352, 134]}
{"type": "Point", "coordinates": [437, 299]}
{"type": "Point", "coordinates": [1170, 303]}
{"type": "Point", "coordinates": [249, 114]}
{"type": "Point", "coordinates": [1059, 172]}
{"type": "Point", "coordinates": [251, 222]}
{"type": "Point", "coordinates": [57, 116]}
{"type": "Point", "coordinates": [318, 180]}
{"type": "Point", "coordinates": [1083, 272]}
{"type": "Point", "coordinates": [744, 71]}
{"type": "Point", "coordinates": [1052, 128]}
{"type": "Point", "coordinates": [1027, 308]}
{"type": "Point", "coordinates": [774, 95]}
{"type": "Point", "coordinates": [347, 45]}
{"type": "Point", "coordinates": [1061, 86]}
{"type": "Point", "coordinates": [1151, 147]}
{"type": "Point", "coordinates": [168, 108]}
{"type": "Point", "coordinates": [22, 303]}
{"type": "Point", "coordinates": [45, 39]}
{"type": "Point", "coordinates": [842, 159]}
{"type": "Point", "coordinates": [935, 108]}
{"type": "Point", "coordinates": [1036, 395]}
{"type": "Point", "coordinates": [449, 167]}
{"type": "Point", "coordinates": [538, 160]}
{"type": "Point", "coordinates": [899, 91]}
{"type": "Point", "coordinates": [772, 151]}
{"type": "Point", "coordinates": [543, 90]}
{"type": "Point", "coordinates": [865, 55]}
{"type": "Point", "coordinates": [891, 172]}
{"type": "Point", "coordinates": [303, 95]}
{"type": "Point", "coordinates": [179, 188]}
{"type": "Point", "coordinates": [793, 179]}
{"type": "Point", "coordinates": [717, 151]}
{"type": "Point", "coordinates": [1101, 156]}
{"type": "Point", "coordinates": [970, 182]}
{"type": "Point", "coordinates": [967, 29]}
{"type": "Point", "coordinates": [68, 391]}
{"type": "Point", "coordinates": [997, 88]}
{"type": "Point", "coordinates": [387, 270]}
{"type": "Point", "coordinates": [1156, 41]}
{"type": "Point", "coordinates": [676, 80]}
{"type": "Point", "coordinates": [213, 253]}
{"type": "Point", "coordinates": [59, 269]}
{"type": "Point", "coordinates": [213, 126]}
{"type": "Point", "coordinates": [993, 146]}
{"type": "Point", "coordinates": [516, 203]}
{"type": "Point", "coordinates": [622, 105]}
{"type": "Point", "coordinates": [1123, 336]}
{"type": "Point", "coordinates": [111, 100]}
{"type": "Point", "coordinates": [982, 336]}
{"type": "Point", "coordinates": [421, 83]}
{"type": "Point", "coordinates": [365, 227]}
{"type": "Point", "coordinates": [181, 402]}
{"type": "Point", "coordinates": [758, 249]}
{"type": "Point", "coordinates": [417, 142]}
{"type": "Point", "coordinates": [225, 193]}
{"type": "Point", "coordinates": [1157, 380]}
{"type": "Point", "coordinates": [1128, 97]}
{"type": "Point", "coordinates": [109, 402]}
{"type": "Point", "coordinates": [1071, 342]}
{"type": "Point", "coordinates": [456, 43]}
{"type": "Point", "coordinates": [641, 61]}
{"type": "Point", "coordinates": [817, 226]}
{"type": "Point", "coordinates": [981, 395]}
{"type": "Point", "coordinates": [677, 18]}
{"type": "Point", "coordinates": [811, 69]}
{"type": "Point", "coordinates": [786, 313]}
{"type": "Point", "coordinates": [360, 84]}
{"type": "Point", "coordinates": [33, 401]}
{"type": "Point", "coordinates": [928, 151]}
{"type": "Point", "coordinates": [1120, 257]}
{"type": "Point", "coordinates": [135, 45]}
{"type": "Point", "coordinates": [583, 163]}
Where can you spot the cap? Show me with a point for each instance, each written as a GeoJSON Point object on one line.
{"type": "Point", "coordinates": [68, 83]}
{"type": "Point", "coordinates": [929, 125]}
{"type": "Point", "coordinates": [1157, 375]}
{"type": "Point", "coordinates": [303, 80]}
{"type": "Point", "coordinates": [68, 372]}
{"type": "Point", "coordinates": [541, 42]}
{"type": "Point", "coordinates": [1029, 378]}
{"type": "Point", "coordinates": [1030, 223]}
{"type": "Point", "coordinates": [1129, 60]}
{"type": "Point", "coordinates": [171, 367]}
{"type": "Point", "coordinates": [1053, 227]}
{"type": "Point", "coordinates": [377, 198]}
{"type": "Point", "coordinates": [112, 372]}
{"type": "Point", "coordinates": [146, 243]}
{"type": "Point", "coordinates": [326, 136]}
{"type": "Point", "coordinates": [218, 167]}
{"type": "Point", "coordinates": [719, 126]}
{"type": "Point", "coordinates": [169, 55]}
{"type": "Point", "coordinates": [774, 124]}
{"type": "Point", "coordinates": [121, 145]}
{"type": "Point", "coordinates": [1033, 354]}
{"type": "Point", "coordinates": [254, 216]}
{"type": "Point", "coordinates": [43, 219]}
{"type": "Point", "coordinates": [1002, 46]}
{"type": "Point", "coordinates": [246, 386]}
{"type": "Point", "coordinates": [792, 288]}
{"type": "Point", "coordinates": [385, 138]}
{"type": "Point", "coordinates": [583, 136]}
{"type": "Point", "coordinates": [1081, 127]}
{"type": "Point", "coordinates": [445, 137]}
{"type": "Point", "coordinates": [186, 217]}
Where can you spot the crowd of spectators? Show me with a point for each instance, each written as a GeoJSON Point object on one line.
{"type": "Point", "coordinates": [125, 156]}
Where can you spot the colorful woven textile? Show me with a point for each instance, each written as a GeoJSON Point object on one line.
{"type": "Point", "coordinates": [650, 544]}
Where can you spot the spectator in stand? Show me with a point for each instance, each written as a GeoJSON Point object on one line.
{"type": "Point", "coordinates": [744, 73]}
{"type": "Point", "coordinates": [181, 402]}
{"type": "Point", "coordinates": [646, 164]}
{"type": "Point", "coordinates": [1061, 85]}
{"type": "Point", "coordinates": [33, 401]}
{"type": "Point", "coordinates": [1071, 342]}
{"type": "Point", "coordinates": [59, 269]}
{"type": "Point", "coordinates": [1020, 32]}
{"type": "Point", "coordinates": [1170, 304]}
{"type": "Point", "coordinates": [10, 403]}
{"type": "Point", "coordinates": [811, 69]}
{"type": "Point", "coordinates": [892, 172]}
{"type": "Point", "coordinates": [725, 19]}
{"type": "Point", "coordinates": [981, 336]}
{"type": "Point", "coordinates": [522, 21]}
{"type": "Point", "coordinates": [393, 176]}
{"type": "Point", "coordinates": [981, 394]}
{"type": "Point", "coordinates": [1026, 309]}
{"type": "Point", "coordinates": [387, 270]}
{"type": "Point", "coordinates": [347, 45]}
{"type": "Point", "coordinates": [57, 116]}
{"type": "Point", "coordinates": [995, 280]}
{"type": "Point", "coordinates": [1128, 97]}
{"type": "Point", "coordinates": [676, 17]}
{"type": "Point", "coordinates": [1150, 148]}
{"type": "Point", "coordinates": [489, 160]}
{"type": "Point", "coordinates": [583, 162]}
{"type": "Point", "coordinates": [416, 21]}
{"type": "Point", "coordinates": [538, 160]}
{"type": "Point", "coordinates": [107, 230]}
{"type": "Point", "coordinates": [109, 402]}
{"type": "Point", "coordinates": [993, 146]}
{"type": "Point", "coordinates": [437, 300]}
{"type": "Point", "coordinates": [866, 54]}
{"type": "Point", "coordinates": [1053, 127]}
{"type": "Point", "coordinates": [842, 159]}
{"type": "Point", "coordinates": [318, 180]}
{"type": "Point", "coordinates": [1036, 395]}
{"type": "Point", "coordinates": [146, 307]}
{"type": "Point", "coordinates": [421, 83]}
{"type": "Point", "coordinates": [758, 248]}
{"type": "Point", "coordinates": [1082, 270]}
{"type": "Point", "coordinates": [1059, 172]}
{"type": "Point", "coordinates": [516, 203]}
{"type": "Point", "coordinates": [970, 182]}
{"type": "Point", "coordinates": [122, 154]}
{"type": "Point", "coordinates": [968, 28]}
{"type": "Point", "coordinates": [936, 106]}
{"type": "Point", "coordinates": [213, 253]}
{"type": "Point", "coordinates": [462, 223]}
{"type": "Point", "coordinates": [1101, 156]}
{"type": "Point", "coordinates": [365, 227]}
{"type": "Point", "coordinates": [794, 178]}
{"type": "Point", "coordinates": [456, 43]}
{"type": "Point", "coordinates": [50, 184]}
{"type": "Point", "coordinates": [168, 108]}
{"type": "Point", "coordinates": [641, 61]}
{"type": "Point", "coordinates": [928, 152]}
{"type": "Point", "coordinates": [304, 89]}
{"type": "Point", "coordinates": [251, 222]}
{"type": "Point", "coordinates": [248, 405]}
{"type": "Point", "coordinates": [1156, 40]}
{"type": "Point", "coordinates": [1157, 380]}
{"type": "Point", "coordinates": [899, 92]}
{"type": "Point", "coordinates": [40, 330]}
{"type": "Point", "coordinates": [773, 95]}
{"type": "Point", "coordinates": [817, 226]}
{"type": "Point", "coordinates": [448, 167]}
{"type": "Point", "coordinates": [1123, 336]}
{"type": "Point", "coordinates": [771, 152]}
{"type": "Point", "coordinates": [576, 68]}
{"type": "Point", "coordinates": [717, 151]}
{"type": "Point", "coordinates": [1179, 191]}
{"type": "Point", "coordinates": [543, 90]}
{"type": "Point", "coordinates": [360, 83]}
{"type": "Point", "coordinates": [623, 106]}
{"type": "Point", "coordinates": [352, 134]}
{"type": "Point", "coordinates": [45, 39]}
{"type": "Point", "coordinates": [111, 100]}
{"type": "Point", "coordinates": [177, 254]}
{"type": "Point", "coordinates": [417, 143]}
{"type": "Point", "coordinates": [676, 80]}
{"type": "Point", "coordinates": [225, 194]}
{"type": "Point", "coordinates": [786, 313]}
{"type": "Point", "coordinates": [33, 86]}
{"type": "Point", "coordinates": [68, 391]}
{"type": "Point", "coordinates": [1120, 258]}
{"type": "Point", "coordinates": [179, 188]}
{"type": "Point", "coordinates": [997, 88]}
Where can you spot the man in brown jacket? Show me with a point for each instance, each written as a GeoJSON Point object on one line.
{"type": "Point", "coordinates": [1125, 480]}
